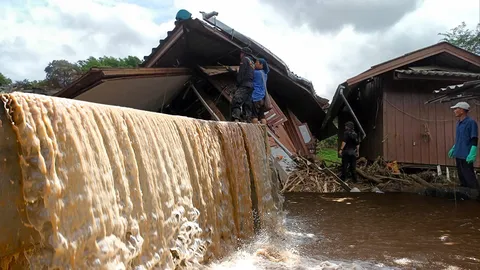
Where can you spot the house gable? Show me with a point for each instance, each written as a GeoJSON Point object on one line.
{"type": "Point", "coordinates": [442, 49]}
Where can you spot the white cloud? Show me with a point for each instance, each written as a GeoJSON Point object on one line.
{"type": "Point", "coordinates": [35, 33]}
{"type": "Point", "coordinates": [330, 59]}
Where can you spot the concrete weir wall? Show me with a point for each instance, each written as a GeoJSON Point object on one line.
{"type": "Point", "coordinates": [15, 234]}
{"type": "Point", "coordinates": [86, 185]}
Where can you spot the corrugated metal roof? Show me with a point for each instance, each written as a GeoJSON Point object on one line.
{"type": "Point", "coordinates": [464, 91]}
{"type": "Point", "coordinates": [460, 87]}
{"type": "Point", "coordinates": [439, 73]}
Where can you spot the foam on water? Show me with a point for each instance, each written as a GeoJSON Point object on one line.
{"type": "Point", "coordinates": [116, 188]}
{"type": "Point", "coordinates": [280, 251]}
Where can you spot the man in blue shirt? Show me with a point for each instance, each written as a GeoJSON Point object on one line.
{"type": "Point", "coordinates": [259, 90]}
{"type": "Point", "coordinates": [465, 149]}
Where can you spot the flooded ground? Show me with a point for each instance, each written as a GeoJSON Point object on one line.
{"type": "Point", "coordinates": [368, 231]}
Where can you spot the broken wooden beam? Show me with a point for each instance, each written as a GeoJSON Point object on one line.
{"type": "Point", "coordinates": [421, 181]}
{"type": "Point", "coordinates": [368, 177]}
{"type": "Point", "coordinates": [205, 104]}
{"type": "Point", "coordinates": [338, 180]}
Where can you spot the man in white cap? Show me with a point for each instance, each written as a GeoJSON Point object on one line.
{"type": "Point", "coordinates": [465, 148]}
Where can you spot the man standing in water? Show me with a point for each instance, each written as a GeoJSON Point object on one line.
{"type": "Point", "coordinates": [465, 148]}
{"type": "Point", "coordinates": [349, 151]}
{"type": "Point", "coordinates": [242, 98]}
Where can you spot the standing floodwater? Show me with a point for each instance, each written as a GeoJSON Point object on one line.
{"type": "Point", "coordinates": [368, 231]}
{"type": "Point", "coordinates": [395, 229]}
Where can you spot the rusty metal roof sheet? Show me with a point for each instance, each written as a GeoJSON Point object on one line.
{"type": "Point", "coordinates": [464, 91]}
{"type": "Point", "coordinates": [460, 87]}
{"type": "Point", "coordinates": [439, 73]}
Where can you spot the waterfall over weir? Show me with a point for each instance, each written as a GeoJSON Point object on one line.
{"type": "Point", "coordinates": [88, 186]}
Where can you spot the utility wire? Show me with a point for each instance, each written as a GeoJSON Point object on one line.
{"type": "Point", "coordinates": [415, 117]}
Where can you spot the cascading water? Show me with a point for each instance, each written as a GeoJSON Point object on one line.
{"type": "Point", "coordinates": [115, 188]}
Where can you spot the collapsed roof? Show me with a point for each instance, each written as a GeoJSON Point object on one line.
{"type": "Point", "coordinates": [129, 87]}
{"type": "Point", "coordinates": [194, 43]}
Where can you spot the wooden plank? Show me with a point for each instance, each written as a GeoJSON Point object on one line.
{"type": "Point", "coordinates": [424, 142]}
{"type": "Point", "coordinates": [293, 131]}
{"type": "Point", "coordinates": [408, 128]}
{"type": "Point", "coordinates": [417, 124]}
{"type": "Point", "coordinates": [446, 114]}
{"type": "Point", "coordinates": [386, 125]}
{"type": "Point", "coordinates": [380, 124]}
{"type": "Point", "coordinates": [399, 143]}
{"type": "Point", "coordinates": [449, 134]}
{"type": "Point", "coordinates": [205, 104]}
{"type": "Point", "coordinates": [440, 129]}
{"type": "Point", "coordinates": [432, 144]}
{"type": "Point", "coordinates": [475, 114]}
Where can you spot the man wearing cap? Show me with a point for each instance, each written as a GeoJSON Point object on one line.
{"type": "Point", "coordinates": [242, 98]}
{"type": "Point", "coordinates": [465, 148]}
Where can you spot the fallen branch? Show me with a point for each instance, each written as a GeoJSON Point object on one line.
{"type": "Point", "coordinates": [368, 177]}
{"type": "Point", "coordinates": [393, 178]}
{"type": "Point", "coordinates": [338, 180]}
{"type": "Point", "coordinates": [421, 181]}
{"type": "Point", "coordinates": [288, 183]}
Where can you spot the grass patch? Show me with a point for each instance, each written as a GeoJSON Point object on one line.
{"type": "Point", "coordinates": [329, 155]}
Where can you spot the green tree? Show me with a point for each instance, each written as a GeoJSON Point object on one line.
{"type": "Point", "coordinates": [60, 73]}
{"type": "Point", "coordinates": [108, 61]}
{"type": "Point", "coordinates": [461, 36]}
{"type": "Point", "coordinates": [4, 81]}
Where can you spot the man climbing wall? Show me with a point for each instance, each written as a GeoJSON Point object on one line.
{"type": "Point", "coordinates": [242, 98]}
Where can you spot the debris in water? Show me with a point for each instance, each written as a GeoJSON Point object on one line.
{"type": "Point", "coordinates": [378, 177]}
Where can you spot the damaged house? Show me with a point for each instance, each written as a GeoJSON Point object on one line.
{"type": "Point", "coordinates": [187, 75]}
{"type": "Point", "coordinates": [388, 105]}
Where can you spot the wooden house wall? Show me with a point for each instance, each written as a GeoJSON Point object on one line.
{"type": "Point", "coordinates": [415, 132]}
{"type": "Point", "coordinates": [367, 105]}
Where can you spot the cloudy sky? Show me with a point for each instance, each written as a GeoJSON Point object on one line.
{"type": "Point", "coordinates": [325, 41]}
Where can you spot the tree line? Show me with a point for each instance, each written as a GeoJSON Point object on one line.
{"type": "Point", "coordinates": [60, 73]}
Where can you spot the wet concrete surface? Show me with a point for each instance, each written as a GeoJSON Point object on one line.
{"type": "Point", "coordinates": [405, 231]}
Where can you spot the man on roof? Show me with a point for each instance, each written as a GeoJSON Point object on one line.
{"type": "Point", "coordinates": [242, 98]}
{"type": "Point", "coordinates": [465, 148]}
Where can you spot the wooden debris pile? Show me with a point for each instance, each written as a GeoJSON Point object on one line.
{"type": "Point", "coordinates": [310, 177]}
{"type": "Point", "coordinates": [387, 178]}
{"type": "Point", "coordinates": [316, 177]}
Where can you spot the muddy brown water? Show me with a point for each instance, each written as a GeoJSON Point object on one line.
{"type": "Point", "coordinates": [405, 231]}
